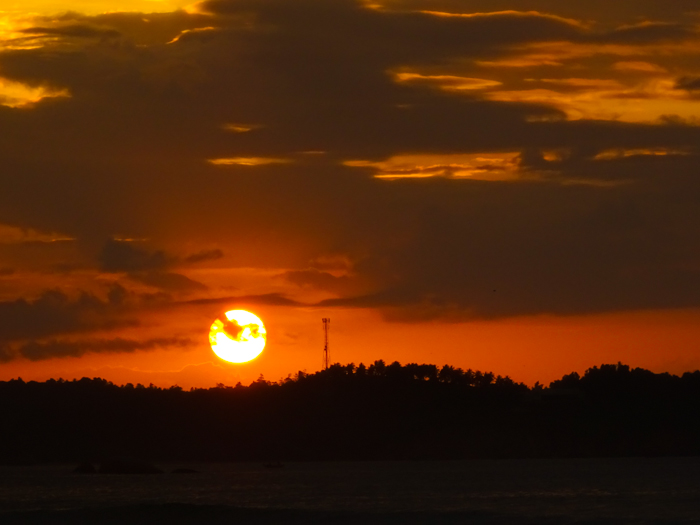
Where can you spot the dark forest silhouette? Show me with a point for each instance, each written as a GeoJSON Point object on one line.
{"type": "Point", "coordinates": [350, 412]}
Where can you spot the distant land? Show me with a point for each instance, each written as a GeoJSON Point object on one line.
{"type": "Point", "coordinates": [348, 412]}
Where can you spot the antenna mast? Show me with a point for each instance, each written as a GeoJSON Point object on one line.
{"type": "Point", "coordinates": [326, 354]}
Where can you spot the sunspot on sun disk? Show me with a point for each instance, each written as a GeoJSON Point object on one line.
{"type": "Point", "coordinates": [237, 336]}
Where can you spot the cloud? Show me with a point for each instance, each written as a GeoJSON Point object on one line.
{"type": "Point", "coordinates": [20, 95]}
{"type": "Point", "coordinates": [481, 166]}
{"type": "Point", "coordinates": [204, 255]}
{"type": "Point", "coordinates": [170, 281]}
{"type": "Point", "coordinates": [322, 280]}
{"type": "Point", "coordinates": [119, 256]}
{"type": "Point", "coordinates": [271, 299]}
{"type": "Point", "coordinates": [650, 32]}
{"type": "Point", "coordinates": [600, 11]}
{"type": "Point", "coordinates": [592, 227]}
{"type": "Point", "coordinates": [447, 82]}
{"type": "Point", "coordinates": [38, 351]}
{"type": "Point", "coordinates": [149, 267]}
{"type": "Point", "coordinates": [131, 26]}
{"type": "Point", "coordinates": [247, 161]}
{"type": "Point", "coordinates": [74, 30]}
{"type": "Point", "coordinates": [55, 313]}
{"type": "Point", "coordinates": [16, 235]}
{"type": "Point", "coordinates": [638, 66]}
{"type": "Point", "coordinates": [688, 83]}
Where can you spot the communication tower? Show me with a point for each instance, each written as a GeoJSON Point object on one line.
{"type": "Point", "coordinates": [326, 354]}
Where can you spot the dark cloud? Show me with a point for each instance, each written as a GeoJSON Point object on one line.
{"type": "Point", "coordinates": [588, 231]}
{"type": "Point", "coordinates": [493, 250]}
{"type": "Point", "coordinates": [6, 271]}
{"type": "Point", "coordinates": [76, 31]}
{"type": "Point", "coordinates": [231, 328]}
{"type": "Point", "coordinates": [319, 279]}
{"type": "Point", "coordinates": [38, 351]}
{"type": "Point", "coordinates": [593, 11]}
{"type": "Point", "coordinates": [204, 255]}
{"type": "Point", "coordinates": [121, 256]}
{"type": "Point", "coordinates": [271, 299]}
{"type": "Point", "coordinates": [169, 281]}
{"type": "Point", "coordinates": [149, 267]}
{"type": "Point", "coordinates": [688, 83]}
{"type": "Point", "coordinates": [145, 29]}
{"type": "Point", "coordinates": [650, 32]}
{"type": "Point", "coordinates": [394, 37]}
{"type": "Point", "coordinates": [6, 353]}
{"type": "Point", "coordinates": [55, 313]}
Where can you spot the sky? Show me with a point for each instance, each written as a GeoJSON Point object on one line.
{"type": "Point", "coordinates": [502, 185]}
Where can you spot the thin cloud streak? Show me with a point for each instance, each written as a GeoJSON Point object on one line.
{"type": "Point", "coordinates": [39, 351]}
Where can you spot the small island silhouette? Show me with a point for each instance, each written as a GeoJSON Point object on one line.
{"type": "Point", "coordinates": [348, 412]}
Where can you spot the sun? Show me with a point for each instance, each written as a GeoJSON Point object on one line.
{"type": "Point", "coordinates": [237, 336]}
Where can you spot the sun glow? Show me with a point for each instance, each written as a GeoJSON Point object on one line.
{"type": "Point", "coordinates": [237, 336]}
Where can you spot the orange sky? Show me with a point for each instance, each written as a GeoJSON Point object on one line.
{"type": "Point", "coordinates": [501, 185]}
{"type": "Point", "coordinates": [528, 349]}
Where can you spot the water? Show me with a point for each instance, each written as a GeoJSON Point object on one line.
{"type": "Point", "coordinates": [658, 490]}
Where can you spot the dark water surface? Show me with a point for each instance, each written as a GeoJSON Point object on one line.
{"type": "Point", "coordinates": [610, 491]}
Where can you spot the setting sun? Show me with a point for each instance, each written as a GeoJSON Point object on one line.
{"type": "Point", "coordinates": [238, 336]}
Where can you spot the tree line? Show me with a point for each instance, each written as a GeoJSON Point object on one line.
{"type": "Point", "coordinates": [348, 412]}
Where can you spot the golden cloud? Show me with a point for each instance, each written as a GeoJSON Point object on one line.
{"type": "Point", "coordinates": [639, 66]}
{"type": "Point", "coordinates": [613, 154]}
{"type": "Point", "coordinates": [478, 166]}
{"type": "Point", "coordinates": [602, 99]}
{"type": "Point", "coordinates": [248, 161]}
{"type": "Point", "coordinates": [16, 94]}
{"type": "Point", "coordinates": [447, 82]}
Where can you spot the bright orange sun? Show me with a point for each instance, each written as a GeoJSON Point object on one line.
{"type": "Point", "coordinates": [237, 336]}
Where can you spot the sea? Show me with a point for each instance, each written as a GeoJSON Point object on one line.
{"type": "Point", "coordinates": [517, 492]}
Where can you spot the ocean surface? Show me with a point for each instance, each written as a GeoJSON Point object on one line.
{"type": "Point", "coordinates": [528, 492]}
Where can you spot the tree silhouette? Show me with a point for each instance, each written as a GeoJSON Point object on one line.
{"type": "Point", "coordinates": [379, 411]}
